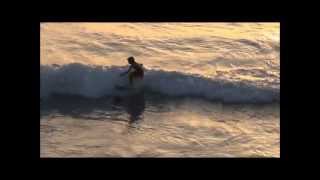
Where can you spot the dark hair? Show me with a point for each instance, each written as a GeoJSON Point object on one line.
{"type": "Point", "coordinates": [131, 59]}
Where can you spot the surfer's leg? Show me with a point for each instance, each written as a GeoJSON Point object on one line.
{"type": "Point", "coordinates": [131, 78]}
{"type": "Point", "coordinates": [135, 75]}
{"type": "Point", "coordinates": [138, 75]}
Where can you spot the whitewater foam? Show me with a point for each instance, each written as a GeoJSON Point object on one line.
{"type": "Point", "coordinates": [98, 81]}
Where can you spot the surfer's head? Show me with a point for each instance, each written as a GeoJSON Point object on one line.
{"type": "Point", "coordinates": [130, 60]}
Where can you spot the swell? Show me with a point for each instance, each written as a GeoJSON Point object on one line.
{"type": "Point", "coordinates": [99, 81]}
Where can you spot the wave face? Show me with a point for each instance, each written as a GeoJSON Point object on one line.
{"type": "Point", "coordinates": [98, 81]}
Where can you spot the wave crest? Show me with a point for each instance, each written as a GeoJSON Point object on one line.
{"type": "Point", "coordinates": [98, 81]}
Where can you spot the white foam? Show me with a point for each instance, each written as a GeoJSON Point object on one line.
{"type": "Point", "coordinates": [97, 81]}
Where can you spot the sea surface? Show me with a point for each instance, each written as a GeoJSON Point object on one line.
{"type": "Point", "coordinates": [210, 90]}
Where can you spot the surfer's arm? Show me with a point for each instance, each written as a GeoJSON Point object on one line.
{"type": "Point", "coordinates": [124, 73]}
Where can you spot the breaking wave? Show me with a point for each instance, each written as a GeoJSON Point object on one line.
{"type": "Point", "coordinates": [98, 81]}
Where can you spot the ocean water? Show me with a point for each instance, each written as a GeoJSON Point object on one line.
{"type": "Point", "coordinates": [210, 90]}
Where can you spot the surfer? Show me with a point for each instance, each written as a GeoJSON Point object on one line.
{"type": "Point", "coordinates": [137, 70]}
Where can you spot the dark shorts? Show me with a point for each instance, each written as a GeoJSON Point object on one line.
{"type": "Point", "coordinates": [137, 74]}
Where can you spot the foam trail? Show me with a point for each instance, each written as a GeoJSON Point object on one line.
{"type": "Point", "coordinates": [97, 81]}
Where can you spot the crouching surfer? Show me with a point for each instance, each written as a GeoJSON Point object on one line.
{"type": "Point", "coordinates": [135, 70]}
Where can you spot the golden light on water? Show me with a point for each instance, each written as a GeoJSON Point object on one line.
{"type": "Point", "coordinates": [192, 70]}
{"type": "Point", "coordinates": [144, 30]}
{"type": "Point", "coordinates": [99, 43]}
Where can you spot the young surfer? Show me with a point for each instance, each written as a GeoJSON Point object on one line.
{"type": "Point", "coordinates": [137, 70]}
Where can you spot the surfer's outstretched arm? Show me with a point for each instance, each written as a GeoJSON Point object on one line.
{"type": "Point", "coordinates": [124, 73]}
